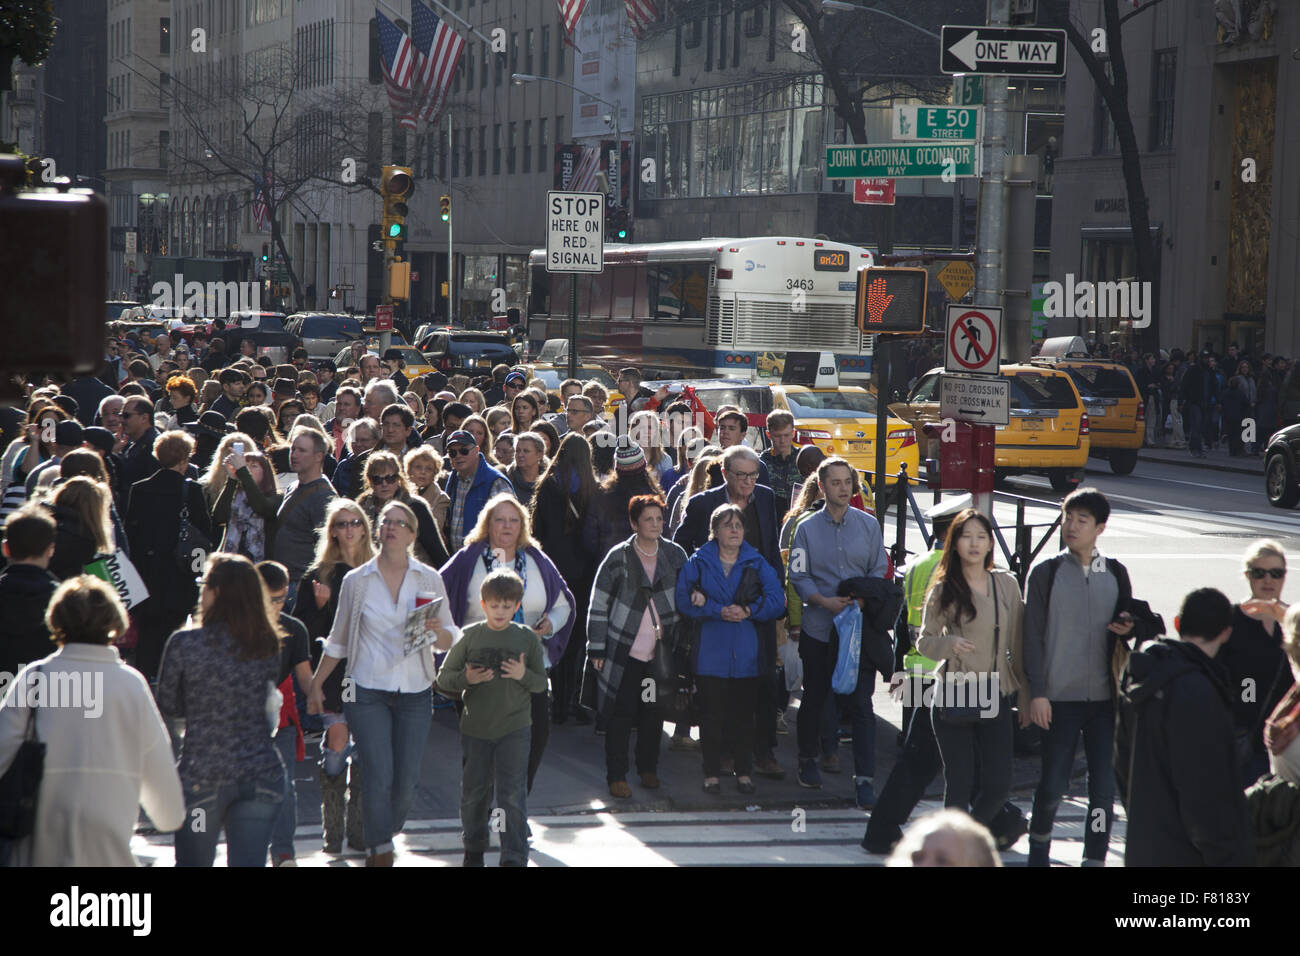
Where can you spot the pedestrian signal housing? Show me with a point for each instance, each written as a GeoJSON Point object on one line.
{"type": "Point", "coordinates": [891, 300]}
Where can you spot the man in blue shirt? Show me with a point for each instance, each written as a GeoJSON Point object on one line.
{"type": "Point", "coordinates": [836, 543]}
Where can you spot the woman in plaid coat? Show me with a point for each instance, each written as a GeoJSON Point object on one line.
{"type": "Point", "coordinates": [633, 605]}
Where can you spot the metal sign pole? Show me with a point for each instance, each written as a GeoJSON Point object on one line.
{"type": "Point", "coordinates": [882, 425]}
{"type": "Point", "coordinates": [573, 325]}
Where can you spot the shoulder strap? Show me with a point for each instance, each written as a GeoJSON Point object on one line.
{"type": "Point", "coordinates": [997, 620]}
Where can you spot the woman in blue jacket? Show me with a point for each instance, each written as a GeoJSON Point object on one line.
{"type": "Point", "coordinates": [727, 586]}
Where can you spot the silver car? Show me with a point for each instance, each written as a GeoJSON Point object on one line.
{"type": "Point", "coordinates": [322, 334]}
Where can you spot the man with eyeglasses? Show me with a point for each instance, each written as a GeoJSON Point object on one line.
{"type": "Point", "coordinates": [302, 512]}
{"type": "Point", "coordinates": [511, 386]}
{"type": "Point", "coordinates": [1076, 609]}
{"type": "Point", "coordinates": [740, 472]}
{"type": "Point", "coordinates": [471, 484]}
{"type": "Point", "coordinates": [578, 410]}
{"type": "Point", "coordinates": [138, 462]}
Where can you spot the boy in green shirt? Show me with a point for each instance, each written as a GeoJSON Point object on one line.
{"type": "Point", "coordinates": [498, 664]}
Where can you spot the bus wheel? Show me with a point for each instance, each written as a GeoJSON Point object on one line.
{"type": "Point", "coordinates": [1123, 460]}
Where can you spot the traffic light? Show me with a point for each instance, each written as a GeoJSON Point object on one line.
{"type": "Point", "coordinates": [266, 252]}
{"type": "Point", "coordinates": [445, 204]}
{"type": "Point", "coordinates": [396, 186]}
{"type": "Point", "coordinates": [891, 300]}
{"type": "Point", "coordinates": [399, 280]}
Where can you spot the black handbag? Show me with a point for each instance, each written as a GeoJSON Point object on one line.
{"type": "Point", "coordinates": [191, 538]}
{"type": "Point", "coordinates": [964, 715]}
{"type": "Point", "coordinates": [663, 668]}
{"type": "Point", "coordinates": [750, 589]}
{"type": "Point", "coordinates": [20, 786]}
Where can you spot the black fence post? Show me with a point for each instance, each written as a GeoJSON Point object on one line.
{"type": "Point", "coordinates": [1022, 544]}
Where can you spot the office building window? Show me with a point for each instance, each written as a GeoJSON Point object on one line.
{"type": "Point", "coordinates": [510, 147]}
{"type": "Point", "coordinates": [455, 153]}
{"type": "Point", "coordinates": [545, 68]}
{"type": "Point", "coordinates": [694, 33]}
{"type": "Point", "coordinates": [483, 66]}
{"type": "Point", "coordinates": [528, 51]}
{"type": "Point", "coordinates": [496, 149]}
{"type": "Point", "coordinates": [164, 89]}
{"type": "Point", "coordinates": [164, 36]}
{"type": "Point", "coordinates": [469, 66]}
{"type": "Point", "coordinates": [164, 147]}
{"type": "Point", "coordinates": [399, 143]}
{"type": "Point", "coordinates": [1103, 128]}
{"type": "Point", "coordinates": [559, 54]}
{"type": "Point", "coordinates": [514, 53]}
{"type": "Point", "coordinates": [542, 160]}
{"type": "Point", "coordinates": [482, 150]}
{"type": "Point", "coordinates": [376, 65]}
{"type": "Point", "coordinates": [528, 146]}
{"type": "Point", "coordinates": [1162, 99]}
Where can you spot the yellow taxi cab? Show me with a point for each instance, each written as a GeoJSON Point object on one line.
{"type": "Point", "coordinates": [770, 364]}
{"type": "Point", "coordinates": [416, 363]}
{"type": "Point", "coordinates": [1116, 412]}
{"type": "Point", "coordinates": [1048, 430]}
{"type": "Point", "coordinates": [840, 419]}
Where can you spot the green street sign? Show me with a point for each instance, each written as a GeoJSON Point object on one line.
{"type": "Point", "coordinates": [950, 123]}
{"type": "Point", "coordinates": [900, 161]}
{"type": "Point", "coordinates": [968, 90]}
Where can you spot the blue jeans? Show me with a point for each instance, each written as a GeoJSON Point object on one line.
{"type": "Point", "coordinates": [390, 729]}
{"type": "Point", "coordinates": [1095, 720]}
{"type": "Point", "coordinates": [286, 821]}
{"type": "Point", "coordinates": [500, 764]}
{"type": "Point", "coordinates": [247, 811]}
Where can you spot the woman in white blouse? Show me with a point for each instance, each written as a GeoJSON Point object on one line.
{"type": "Point", "coordinates": [503, 539]}
{"type": "Point", "coordinates": [392, 707]}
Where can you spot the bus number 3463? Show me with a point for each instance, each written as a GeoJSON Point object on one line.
{"type": "Point", "coordinates": [799, 284]}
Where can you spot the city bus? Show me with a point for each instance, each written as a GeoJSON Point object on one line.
{"type": "Point", "coordinates": [708, 309]}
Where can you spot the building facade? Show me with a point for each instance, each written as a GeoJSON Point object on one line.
{"type": "Point", "coordinates": [1209, 103]}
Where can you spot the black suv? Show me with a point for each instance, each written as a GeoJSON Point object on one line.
{"type": "Point", "coordinates": [452, 349]}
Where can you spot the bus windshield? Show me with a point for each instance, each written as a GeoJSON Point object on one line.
{"type": "Point", "coordinates": [831, 404]}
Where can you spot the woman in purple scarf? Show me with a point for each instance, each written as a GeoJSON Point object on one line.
{"type": "Point", "coordinates": [503, 539]}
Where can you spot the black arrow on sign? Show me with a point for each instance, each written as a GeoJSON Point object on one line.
{"type": "Point", "coordinates": [971, 411]}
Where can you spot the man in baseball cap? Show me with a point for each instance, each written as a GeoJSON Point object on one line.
{"type": "Point", "coordinates": [470, 486]}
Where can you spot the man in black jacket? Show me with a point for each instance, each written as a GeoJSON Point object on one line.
{"type": "Point", "coordinates": [26, 588]}
{"type": "Point", "coordinates": [138, 462]}
{"type": "Point", "coordinates": [1175, 763]}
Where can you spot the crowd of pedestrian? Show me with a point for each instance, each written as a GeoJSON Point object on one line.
{"type": "Point", "coordinates": [289, 551]}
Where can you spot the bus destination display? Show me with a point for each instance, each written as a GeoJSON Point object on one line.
{"type": "Point", "coordinates": [830, 260]}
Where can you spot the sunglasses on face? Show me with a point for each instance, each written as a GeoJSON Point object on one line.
{"type": "Point", "coordinates": [347, 523]}
{"type": "Point", "coordinates": [383, 479]}
{"type": "Point", "coordinates": [1259, 574]}
{"type": "Point", "coordinates": [455, 451]}
{"type": "Point", "coordinates": [394, 523]}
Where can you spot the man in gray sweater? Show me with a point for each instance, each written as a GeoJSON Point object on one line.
{"type": "Point", "coordinates": [1075, 610]}
{"type": "Point", "coordinates": [302, 513]}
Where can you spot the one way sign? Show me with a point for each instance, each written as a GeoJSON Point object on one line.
{"type": "Point", "coordinates": [1000, 51]}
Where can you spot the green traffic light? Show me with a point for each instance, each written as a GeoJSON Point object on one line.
{"type": "Point", "coordinates": [622, 233]}
{"type": "Point", "coordinates": [395, 230]}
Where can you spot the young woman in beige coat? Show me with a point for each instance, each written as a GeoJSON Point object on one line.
{"type": "Point", "coordinates": [972, 624]}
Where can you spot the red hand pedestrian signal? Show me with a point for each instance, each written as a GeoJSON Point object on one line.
{"type": "Point", "coordinates": [891, 300]}
{"type": "Point", "coordinates": [878, 300]}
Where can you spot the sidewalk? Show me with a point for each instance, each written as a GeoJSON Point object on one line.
{"type": "Point", "coordinates": [1214, 460]}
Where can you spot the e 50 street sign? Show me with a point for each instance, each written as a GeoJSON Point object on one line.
{"type": "Point", "coordinates": [901, 161]}
{"type": "Point", "coordinates": [953, 123]}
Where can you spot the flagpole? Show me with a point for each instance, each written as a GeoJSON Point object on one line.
{"type": "Point", "coordinates": [468, 26]}
{"type": "Point", "coordinates": [451, 275]}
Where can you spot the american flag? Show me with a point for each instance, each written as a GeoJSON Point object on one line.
{"type": "Point", "coordinates": [261, 213]}
{"type": "Point", "coordinates": [437, 52]}
{"type": "Point", "coordinates": [570, 10]}
{"type": "Point", "coordinates": [642, 13]}
{"type": "Point", "coordinates": [398, 57]}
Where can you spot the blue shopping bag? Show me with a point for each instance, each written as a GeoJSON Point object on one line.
{"type": "Point", "coordinates": [848, 625]}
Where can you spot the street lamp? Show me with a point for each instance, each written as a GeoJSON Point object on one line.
{"type": "Point", "coordinates": [614, 121]}
{"type": "Point", "coordinates": [840, 6]}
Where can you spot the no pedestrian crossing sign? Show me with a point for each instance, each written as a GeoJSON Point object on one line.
{"type": "Point", "coordinates": [575, 232]}
{"type": "Point", "coordinates": [973, 340]}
